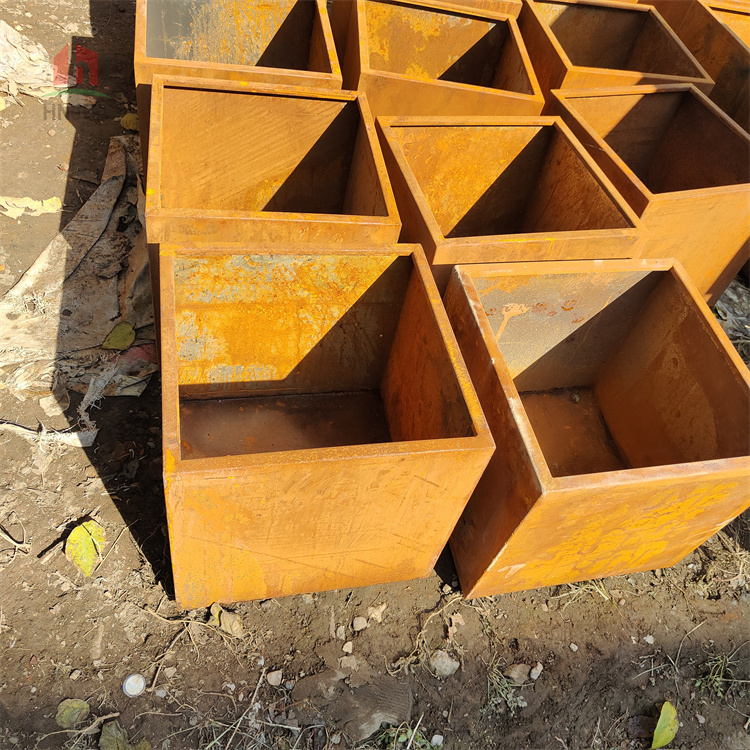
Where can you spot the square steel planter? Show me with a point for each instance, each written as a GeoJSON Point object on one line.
{"type": "Point", "coordinates": [234, 162]}
{"type": "Point", "coordinates": [320, 428]}
{"type": "Point", "coordinates": [577, 44]}
{"type": "Point", "coordinates": [683, 166]}
{"type": "Point", "coordinates": [480, 190]}
{"type": "Point", "coordinates": [425, 58]}
{"type": "Point", "coordinates": [718, 49]}
{"type": "Point", "coordinates": [621, 413]}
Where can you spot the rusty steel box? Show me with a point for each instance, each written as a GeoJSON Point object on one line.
{"type": "Point", "coordinates": [286, 42]}
{"type": "Point", "coordinates": [479, 190]}
{"type": "Point", "coordinates": [735, 15]}
{"type": "Point", "coordinates": [683, 166]}
{"type": "Point", "coordinates": [320, 428]}
{"type": "Point", "coordinates": [234, 162]}
{"type": "Point", "coordinates": [621, 413]}
{"type": "Point", "coordinates": [425, 58]}
{"type": "Point", "coordinates": [598, 43]}
{"type": "Point", "coordinates": [717, 48]}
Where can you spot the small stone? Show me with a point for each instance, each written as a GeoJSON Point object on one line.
{"type": "Point", "coordinates": [701, 719]}
{"type": "Point", "coordinates": [74, 675]}
{"type": "Point", "coordinates": [348, 647]}
{"type": "Point", "coordinates": [536, 671]}
{"type": "Point", "coordinates": [376, 613]}
{"type": "Point", "coordinates": [51, 132]}
{"type": "Point", "coordinates": [335, 739]}
{"type": "Point", "coordinates": [341, 632]}
{"type": "Point", "coordinates": [447, 588]}
{"type": "Point", "coordinates": [160, 693]}
{"type": "Point", "coordinates": [274, 678]}
{"type": "Point", "coordinates": [621, 602]}
{"type": "Point", "coordinates": [33, 690]}
{"type": "Point", "coordinates": [518, 673]}
{"type": "Point", "coordinates": [649, 639]}
{"type": "Point", "coordinates": [443, 664]}
{"type": "Point", "coordinates": [437, 740]}
{"type": "Point", "coordinates": [446, 714]}
{"type": "Point", "coordinates": [349, 662]}
{"type": "Point", "coordinates": [359, 624]}
{"type": "Point", "coordinates": [289, 684]}
{"type": "Point", "coordinates": [307, 598]}
{"type": "Point", "coordinates": [573, 647]}
{"type": "Point", "coordinates": [193, 721]}
{"type": "Point", "coordinates": [170, 672]}
{"type": "Point", "coordinates": [14, 740]}
{"type": "Point", "coordinates": [545, 607]}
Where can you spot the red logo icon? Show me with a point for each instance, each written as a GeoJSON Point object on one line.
{"type": "Point", "coordinates": [84, 60]}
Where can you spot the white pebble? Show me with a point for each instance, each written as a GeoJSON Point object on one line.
{"type": "Point", "coordinates": [360, 623]}
{"type": "Point", "coordinates": [573, 647]}
{"type": "Point", "coordinates": [274, 678]}
{"type": "Point", "coordinates": [437, 740]}
{"type": "Point", "coordinates": [536, 671]}
{"type": "Point", "coordinates": [649, 639]}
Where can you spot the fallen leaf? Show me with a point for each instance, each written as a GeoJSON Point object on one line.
{"type": "Point", "coordinates": [666, 727]}
{"type": "Point", "coordinates": [129, 121]}
{"type": "Point", "coordinates": [113, 737]}
{"type": "Point", "coordinates": [120, 337]}
{"type": "Point", "coordinates": [70, 712]}
{"type": "Point", "coordinates": [84, 545]}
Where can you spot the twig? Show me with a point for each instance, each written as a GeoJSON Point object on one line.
{"type": "Point", "coordinates": [78, 733]}
{"type": "Point", "coordinates": [161, 658]}
{"type": "Point", "coordinates": [112, 546]}
{"type": "Point", "coordinates": [413, 734]}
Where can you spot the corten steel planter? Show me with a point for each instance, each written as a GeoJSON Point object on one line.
{"type": "Point", "coordinates": [735, 14]}
{"type": "Point", "coordinates": [621, 413]}
{"type": "Point", "coordinates": [339, 13]}
{"type": "Point", "coordinates": [479, 190]}
{"type": "Point", "coordinates": [286, 42]}
{"type": "Point", "coordinates": [683, 166]}
{"type": "Point", "coordinates": [577, 44]}
{"type": "Point", "coordinates": [320, 429]}
{"type": "Point", "coordinates": [718, 49]}
{"type": "Point", "coordinates": [432, 58]}
{"type": "Point", "coordinates": [253, 163]}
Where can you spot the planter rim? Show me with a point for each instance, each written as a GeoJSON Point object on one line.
{"type": "Point", "coordinates": [702, 76]}
{"type": "Point", "coordinates": [153, 189]}
{"type": "Point", "coordinates": [564, 96]}
{"type": "Point", "coordinates": [448, 8]}
{"type": "Point", "coordinates": [142, 61]}
{"type": "Point", "coordinates": [466, 274]}
{"type": "Point", "coordinates": [174, 463]}
{"type": "Point", "coordinates": [387, 123]}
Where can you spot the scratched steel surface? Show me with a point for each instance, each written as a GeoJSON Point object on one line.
{"type": "Point", "coordinates": [623, 413]}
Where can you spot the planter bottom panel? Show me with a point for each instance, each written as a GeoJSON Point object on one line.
{"type": "Point", "coordinates": [264, 424]}
{"type": "Point", "coordinates": [572, 432]}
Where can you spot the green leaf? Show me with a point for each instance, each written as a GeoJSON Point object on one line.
{"type": "Point", "coordinates": [70, 712]}
{"type": "Point", "coordinates": [84, 545]}
{"type": "Point", "coordinates": [120, 337]}
{"type": "Point", "coordinates": [667, 726]}
{"type": "Point", "coordinates": [113, 737]}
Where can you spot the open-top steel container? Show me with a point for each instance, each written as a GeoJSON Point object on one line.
{"type": "Point", "coordinates": [597, 43]}
{"type": "Point", "coordinates": [621, 413]}
{"type": "Point", "coordinates": [253, 163]}
{"type": "Point", "coordinates": [479, 190]}
{"type": "Point", "coordinates": [683, 166]}
{"type": "Point", "coordinates": [320, 428]}
{"type": "Point", "coordinates": [425, 58]}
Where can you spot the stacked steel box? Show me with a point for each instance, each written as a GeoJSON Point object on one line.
{"type": "Point", "coordinates": [570, 409]}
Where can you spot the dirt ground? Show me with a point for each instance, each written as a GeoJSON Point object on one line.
{"type": "Point", "coordinates": [304, 672]}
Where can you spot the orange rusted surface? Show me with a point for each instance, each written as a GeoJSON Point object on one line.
{"type": "Point", "coordinates": [721, 51]}
{"type": "Point", "coordinates": [577, 44]}
{"type": "Point", "coordinates": [735, 14]}
{"type": "Point", "coordinates": [683, 166]}
{"type": "Point", "coordinates": [621, 414]}
{"type": "Point", "coordinates": [238, 162]}
{"type": "Point", "coordinates": [424, 58]}
{"type": "Point", "coordinates": [286, 42]}
{"type": "Point", "coordinates": [320, 428]}
{"type": "Point", "coordinates": [480, 190]}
